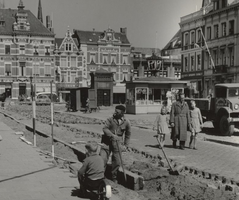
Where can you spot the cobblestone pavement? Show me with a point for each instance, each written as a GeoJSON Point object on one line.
{"type": "Point", "coordinates": [211, 157]}
{"type": "Point", "coordinates": [26, 175]}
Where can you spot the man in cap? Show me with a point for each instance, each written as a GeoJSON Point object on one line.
{"type": "Point", "coordinates": [117, 129]}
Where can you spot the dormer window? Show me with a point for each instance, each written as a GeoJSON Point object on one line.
{"type": "Point", "coordinates": [109, 36]}
{"type": "Point", "coordinates": [68, 47]}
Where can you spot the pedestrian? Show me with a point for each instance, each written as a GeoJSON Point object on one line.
{"type": "Point", "coordinates": [161, 124]}
{"type": "Point", "coordinates": [180, 121]}
{"type": "Point", "coordinates": [91, 173]}
{"type": "Point", "coordinates": [117, 132]}
{"type": "Point", "coordinates": [196, 123]}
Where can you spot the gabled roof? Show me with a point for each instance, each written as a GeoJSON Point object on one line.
{"type": "Point", "coordinates": [36, 27]}
{"type": "Point", "coordinates": [103, 71]}
{"type": "Point", "coordinates": [175, 42]}
{"type": "Point", "coordinates": [93, 36]}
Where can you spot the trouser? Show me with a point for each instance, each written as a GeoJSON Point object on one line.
{"type": "Point", "coordinates": [86, 183]}
{"type": "Point", "coordinates": [105, 153]}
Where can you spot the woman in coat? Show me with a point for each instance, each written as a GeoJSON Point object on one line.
{"type": "Point", "coordinates": [180, 121]}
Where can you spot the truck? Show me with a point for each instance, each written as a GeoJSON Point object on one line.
{"type": "Point", "coordinates": [222, 108]}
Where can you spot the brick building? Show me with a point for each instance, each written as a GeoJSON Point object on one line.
{"type": "Point", "coordinates": [26, 50]}
{"type": "Point", "coordinates": [108, 50]}
{"type": "Point", "coordinates": [210, 46]}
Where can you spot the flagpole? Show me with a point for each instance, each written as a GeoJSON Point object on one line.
{"type": "Point", "coordinates": [213, 65]}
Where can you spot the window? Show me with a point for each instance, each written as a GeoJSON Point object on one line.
{"type": "Point", "coordinates": [215, 56]}
{"type": "Point", "coordinates": [73, 61]}
{"type": "Point", "coordinates": [68, 47]}
{"type": "Point", "coordinates": [192, 63]}
{"type": "Point", "coordinates": [198, 62]}
{"type": "Point", "coordinates": [7, 49]}
{"type": "Point", "coordinates": [186, 64]}
{"type": "Point", "coordinates": [47, 69]}
{"type": "Point", "coordinates": [231, 56]}
{"type": "Point", "coordinates": [113, 58]}
{"type": "Point", "coordinates": [209, 33]}
{"type": "Point", "coordinates": [223, 56]}
{"type": "Point", "coordinates": [36, 69]}
{"type": "Point", "coordinates": [199, 36]}
{"type": "Point", "coordinates": [231, 27]}
{"type": "Point", "coordinates": [35, 51]}
{"type": "Point", "coordinates": [8, 69]}
{"type": "Point", "coordinates": [186, 39]}
{"type": "Point", "coordinates": [221, 92]}
{"type": "Point", "coordinates": [92, 57]}
{"type": "Point", "coordinates": [22, 49]}
{"type": "Point", "coordinates": [192, 37]}
{"type": "Point", "coordinates": [224, 29]}
{"type": "Point", "coordinates": [105, 59]}
{"type": "Point", "coordinates": [63, 62]}
{"type": "Point", "coordinates": [125, 60]}
{"type": "Point", "coordinates": [215, 31]}
{"type": "Point", "coordinates": [47, 53]}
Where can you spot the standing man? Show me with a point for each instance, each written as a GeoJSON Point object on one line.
{"type": "Point", "coordinates": [180, 121]}
{"type": "Point", "coordinates": [117, 129]}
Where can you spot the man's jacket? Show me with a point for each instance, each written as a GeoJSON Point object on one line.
{"type": "Point", "coordinates": [121, 128]}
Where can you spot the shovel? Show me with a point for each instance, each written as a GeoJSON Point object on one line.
{"type": "Point", "coordinates": [171, 171]}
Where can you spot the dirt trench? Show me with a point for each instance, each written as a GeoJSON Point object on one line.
{"type": "Point", "coordinates": [158, 183]}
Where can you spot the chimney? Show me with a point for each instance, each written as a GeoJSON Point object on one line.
{"type": "Point", "coordinates": [123, 30]}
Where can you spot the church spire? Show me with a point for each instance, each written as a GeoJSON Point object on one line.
{"type": "Point", "coordinates": [39, 15]}
{"type": "Point", "coordinates": [21, 6]}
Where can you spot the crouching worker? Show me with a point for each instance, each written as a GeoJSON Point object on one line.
{"type": "Point", "coordinates": [117, 131]}
{"type": "Point", "coordinates": [91, 173]}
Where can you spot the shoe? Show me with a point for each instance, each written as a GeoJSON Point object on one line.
{"type": "Point", "coordinates": [181, 147]}
{"type": "Point", "coordinates": [195, 148]}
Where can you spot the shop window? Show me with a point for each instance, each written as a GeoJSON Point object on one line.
{"type": "Point", "coordinates": [141, 96]}
{"type": "Point", "coordinates": [130, 98]}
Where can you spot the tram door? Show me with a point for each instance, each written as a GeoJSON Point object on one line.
{"type": "Point", "coordinates": [103, 97]}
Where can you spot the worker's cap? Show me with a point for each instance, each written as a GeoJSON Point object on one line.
{"type": "Point", "coordinates": [91, 146]}
{"type": "Point", "coordinates": [120, 107]}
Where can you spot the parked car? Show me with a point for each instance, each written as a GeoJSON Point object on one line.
{"type": "Point", "coordinates": [55, 97]}
{"type": "Point", "coordinates": [43, 100]}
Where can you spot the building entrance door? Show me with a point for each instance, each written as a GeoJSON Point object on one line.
{"type": "Point", "coordinates": [22, 90]}
{"type": "Point", "coordinates": [103, 97]}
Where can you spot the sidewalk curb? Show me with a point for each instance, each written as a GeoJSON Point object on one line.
{"type": "Point", "coordinates": [221, 142]}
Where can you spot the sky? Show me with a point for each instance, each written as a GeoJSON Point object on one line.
{"type": "Point", "coordinates": [149, 23]}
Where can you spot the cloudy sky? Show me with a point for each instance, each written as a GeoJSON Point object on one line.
{"type": "Point", "coordinates": [150, 23]}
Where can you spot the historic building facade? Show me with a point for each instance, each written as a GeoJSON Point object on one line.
{"type": "Point", "coordinates": [171, 55]}
{"type": "Point", "coordinates": [70, 64]}
{"type": "Point", "coordinates": [108, 50]}
{"type": "Point", "coordinates": [26, 52]}
{"type": "Point", "coordinates": [210, 46]}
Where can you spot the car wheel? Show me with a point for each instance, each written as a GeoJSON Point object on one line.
{"type": "Point", "coordinates": [226, 128]}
